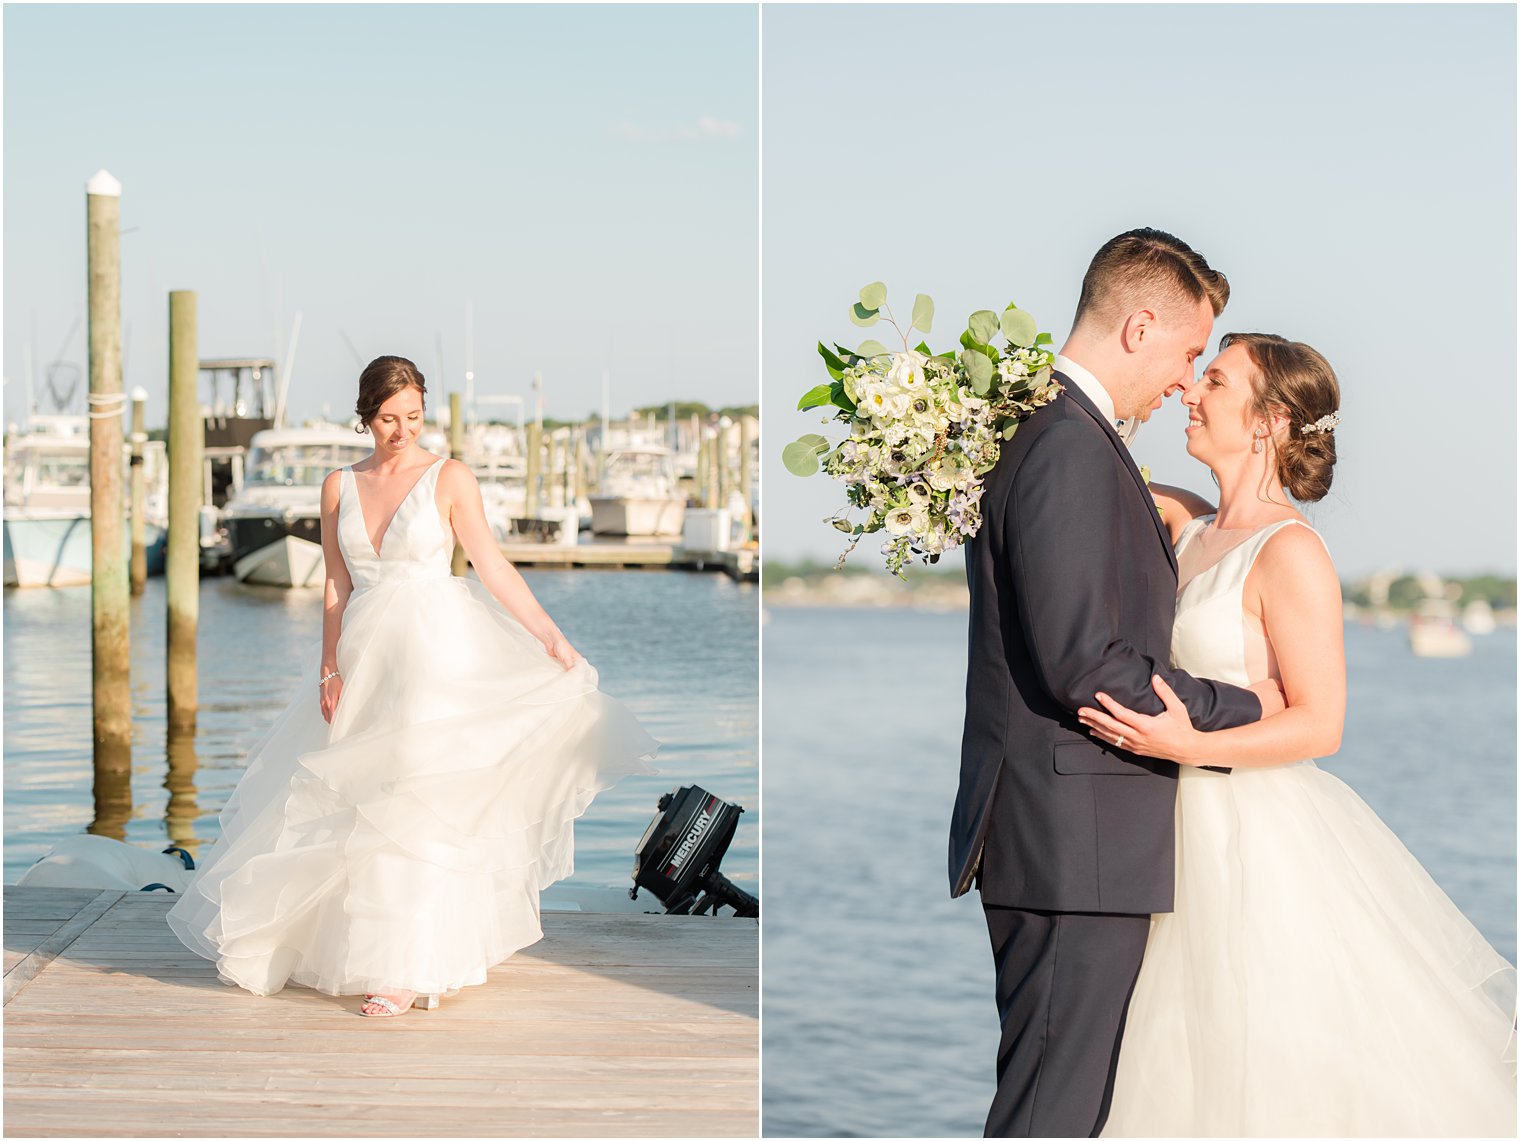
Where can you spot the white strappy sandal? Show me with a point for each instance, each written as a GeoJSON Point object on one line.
{"type": "Point", "coordinates": [393, 1010]}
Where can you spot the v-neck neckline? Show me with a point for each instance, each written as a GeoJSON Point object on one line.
{"type": "Point", "coordinates": [359, 502]}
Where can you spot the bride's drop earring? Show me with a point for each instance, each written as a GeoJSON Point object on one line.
{"type": "Point", "coordinates": [1256, 447]}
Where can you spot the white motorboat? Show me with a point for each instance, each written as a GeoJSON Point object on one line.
{"type": "Point", "coordinates": [637, 495]}
{"type": "Point", "coordinates": [47, 503]}
{"type": "Point", "coordinates": [1434, 631]}
{"type": "Point", "coordinates": [274, 522]}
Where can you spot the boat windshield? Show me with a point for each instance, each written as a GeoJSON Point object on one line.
{"type": "Point", "coordinates": [292, 465]}
{"type": "Point", "coordinates": [55, 469]}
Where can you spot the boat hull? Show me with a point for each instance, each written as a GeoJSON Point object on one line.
{"type": "Point", "coordinates": [275, 551]}
{"type": "Point", "coordinates": [622, 515]}
{"type": "Point", "coordinates": [57, 551]}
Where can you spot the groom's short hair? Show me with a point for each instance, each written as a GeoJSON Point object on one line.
{"type": "Point", "coordinates": [1143, 268]}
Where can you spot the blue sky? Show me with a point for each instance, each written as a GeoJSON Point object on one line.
{"type": "Point", "coordinates": [586, 175]}
{"type": "Point", "coordinates": [1351, 168]}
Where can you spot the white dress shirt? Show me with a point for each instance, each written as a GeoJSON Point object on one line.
{"type": "Point", "coordinates": [1094, 391]}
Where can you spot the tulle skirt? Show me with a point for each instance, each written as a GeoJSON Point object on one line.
{"type": "Point", "coordinates": [403, 847]}
{"type": "Point", "coordinates": [1313, 980]}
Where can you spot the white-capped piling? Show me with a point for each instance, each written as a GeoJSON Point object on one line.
{"type": "Point", "coordinates": [110, 626]}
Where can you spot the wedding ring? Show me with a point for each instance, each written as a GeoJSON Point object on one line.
{"type": "Point", "coordinates": [1119, 744]}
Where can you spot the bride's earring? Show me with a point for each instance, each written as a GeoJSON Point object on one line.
{"type": "Point", "coordinates": [1256, 447]}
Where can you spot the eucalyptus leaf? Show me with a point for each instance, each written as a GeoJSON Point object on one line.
{"type": "Point", "coordinates": [819, 444]}
{"type": "Point", "coordinates": [800, 458]}
{"type": "Point", "coordinates": [923, 312]}
{"type": "Point", "coordinates": [862, 316]}
{"type": "Point", "coordinates": [1013, 426]}
{"type": "Point", "coordinates": [822, 394]}
{"type": "Point", "coordinates": [1019, 327]}
{"type": "Point", "coordinates": [983, 325]}
{"type": "Point", "coordinates": [872, 296]}
{"type": "Point", "coordinates": [979, 369]}
{"type": "Point", "coordinates": [872, 349]}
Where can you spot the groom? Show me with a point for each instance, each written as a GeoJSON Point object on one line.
{"type": "Point", "coordinates": [1073, 583]}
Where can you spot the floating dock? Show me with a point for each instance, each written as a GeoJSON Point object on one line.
{"type": "Point", "coordinates": [740, 564]}
{"type": "Point", "coordinates": [614, 1025]}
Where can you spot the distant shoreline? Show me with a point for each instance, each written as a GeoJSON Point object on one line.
{"type": "Point", "coordinates": [1383, 600]}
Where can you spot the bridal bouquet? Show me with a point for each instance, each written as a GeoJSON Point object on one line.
{"type": "Point", "coordinates": [924, 428]}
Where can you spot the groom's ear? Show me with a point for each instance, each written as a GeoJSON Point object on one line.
{"type": "Point", "coordinates": [1137, 326]}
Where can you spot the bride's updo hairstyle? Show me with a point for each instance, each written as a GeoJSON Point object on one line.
{"type": "Point", "coordinates": [381, 379]}
{"type": "Point", "coordinates": [1293, 378]}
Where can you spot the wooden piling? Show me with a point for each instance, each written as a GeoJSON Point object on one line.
{"type": "Point", "coordinates": [182, 567]}
{"type": "Point", "coordinates": [456, 450]}
{"type": "Point", "coordinates": [745, 486]}
{"type": "Point", "coordinates": [715, 470]}
{"type": "Point", "coordinates": [535, 463]}
{"type": "Point", "coordinates": [580, 464]}
{"type": "Point", "coordinates": [110, 627]}
{"type": "Point", "coordinates": [554, 491]}
{"type": "Point", "coordinates": [139, 568]}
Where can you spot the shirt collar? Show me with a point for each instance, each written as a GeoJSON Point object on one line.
{"type": "Point", "coordinates": [1090, 385]}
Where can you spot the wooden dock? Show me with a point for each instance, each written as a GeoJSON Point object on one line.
{"type": "Point", "coordinates": [613, 1026]}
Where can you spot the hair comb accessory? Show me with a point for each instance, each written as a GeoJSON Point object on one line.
{"type": "Point", "coordinates": [1323, 424]}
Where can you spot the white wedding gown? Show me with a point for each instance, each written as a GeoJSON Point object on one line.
{"type": "Point", "coordinates": [1312, 980]}
{"type": "Point", "coordinates": [403, 846]}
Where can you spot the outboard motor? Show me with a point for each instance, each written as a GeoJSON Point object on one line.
{"type": "Point", "coordinates": [677, 860]}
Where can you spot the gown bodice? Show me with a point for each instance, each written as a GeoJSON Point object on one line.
{"type": "Point", "coordinates": [415, 545]}
{"type": "Point", "coordinates": [1210, 635]}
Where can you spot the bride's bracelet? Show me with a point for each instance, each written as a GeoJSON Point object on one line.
{"type": "Point", "coordinates": [327, 679]}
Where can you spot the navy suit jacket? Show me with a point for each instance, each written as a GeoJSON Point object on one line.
{"type": "Point", "coordinates": [1073, 590]}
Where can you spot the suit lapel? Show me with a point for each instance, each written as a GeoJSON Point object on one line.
{"type": "Point", "coordinates": [1078, 397]}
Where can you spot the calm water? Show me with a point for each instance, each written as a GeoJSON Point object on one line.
{"type": "Point", "coordinates": [678, 649]}
{"type": "Point", "coordinates": [879, 1018]}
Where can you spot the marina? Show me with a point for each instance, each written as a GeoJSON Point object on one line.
{"type": "Point", "coordinates": [613, 1025]}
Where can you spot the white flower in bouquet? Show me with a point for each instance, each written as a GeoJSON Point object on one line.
{"type": "Point", "coordinates": [907, 371]}
{"type": "Point", "coordinates": [906, 520]}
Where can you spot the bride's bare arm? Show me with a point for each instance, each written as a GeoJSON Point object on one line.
{"type": "Point", "coordinates": [1299, 596]}
{"type": "Point", "coordinates": [467, 515]}
{"type": "Point", "coordinates": [1179, 507]}
{"type": "Point", "coordinates": [336, 588]}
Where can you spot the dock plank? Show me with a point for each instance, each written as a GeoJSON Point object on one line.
{"type": "Point", "coordinates": [613, 1025]}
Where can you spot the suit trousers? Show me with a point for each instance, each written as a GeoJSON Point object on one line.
{"type": "Point", "coordinates": [1064, 981]}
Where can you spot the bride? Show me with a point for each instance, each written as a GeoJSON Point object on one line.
{"type": "Point", "coordinates": [395, 825]}
{"type": "Point", "coordinates": [1312, 979]}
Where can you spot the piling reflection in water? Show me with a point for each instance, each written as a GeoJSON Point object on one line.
{"type": "Point", "coordinates": [181, 811]}
{"type": "Point", "coordinates": [113, 790]}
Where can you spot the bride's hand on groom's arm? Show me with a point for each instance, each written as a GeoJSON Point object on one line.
{"type": "Point", "coordinates": [1272, 698]}
{"type": "Point", "coordinates": [1169, 735]}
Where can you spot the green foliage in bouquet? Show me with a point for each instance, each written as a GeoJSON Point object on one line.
{"type": "Point", "coordinates": [924, 427]}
